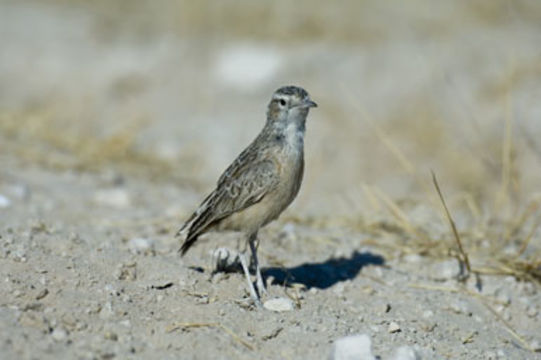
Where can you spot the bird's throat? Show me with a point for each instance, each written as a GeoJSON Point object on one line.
{"type": "Point", "coordinates": [294, 135]}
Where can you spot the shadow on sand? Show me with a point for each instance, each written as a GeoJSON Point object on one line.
{"type": "Point", "coordinates": [325, 274]}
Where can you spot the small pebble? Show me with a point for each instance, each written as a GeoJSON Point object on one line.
{"type": "Point", "coordinates": [106, 312]}
{"type": "Point", "coordinates": [413, 258]}
{"type": "Point", "coordinates": [4, 202]}
{"type": "Point", "coordinates": [503, 297]}
{"type": "Point", "coordinates": [354, 347]}
{"type": "Point", "coordinates": [118, 198]}
{"type": "Point", "coordinates": [141, 246]}
{"type": "Point", "coordinates": [385, 308]}
{"type": "Point", "coordinates": [428, 326]}
{"type": "Point", "coordinates": [126, 323]}
{"type": "Point", "coordinates": [535, 345]}
{"type": "Point", "coordinates": [444, 270]}
{"type": "Point", "coordinates": [531, 311]}
{"type": "Point", "coordinates": [279, 304]}
{"type": "Point", "coordinates": [109, 335]}
{"type": "Point", "coordinates": [393, 327]}
{"type": "Point", "coordinates": [126, 271]}
{"type": "Point", "coordinates": [59, 334]}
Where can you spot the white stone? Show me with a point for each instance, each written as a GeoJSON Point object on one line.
{"type": "Point", "coordinates": [118, 198]}
{"type": "Point", "coordinates": [141, 245]}
{"type": "Point", "coordinates": [106, 311]}
{"type": "Point", "coordinates": [354, 347]}
{"type": "Point", "coordinates": [444, 270]}
{"type": "Point", "coordinates": [393, 327]}
{"type": "Point", "coordinates": [535, 345]}
{"type": "Point", "coordinates": [531, 311]}
{"type": "Point", "coordinates": [4, 202]}
{"type": "Point", "coordinates": [59, 334]}
{"type": "Point", "coordinates": [279, 304]}
{"type": "Point", "coordinates": [405, 353]}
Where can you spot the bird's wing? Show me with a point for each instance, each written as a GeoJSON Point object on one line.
{"type": "Point", "coordinates": [243, 184]}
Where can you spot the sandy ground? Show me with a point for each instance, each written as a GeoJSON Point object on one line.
{"type": "Point", "coordinates": [84, 257]}
{"type": "Point", "coordinates": [77, 284]}
{"type": "Point", "coordinates": [115, 124]}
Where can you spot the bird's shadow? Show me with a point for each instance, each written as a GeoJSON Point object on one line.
{"type": "Point", "coordinates": [325, 274]}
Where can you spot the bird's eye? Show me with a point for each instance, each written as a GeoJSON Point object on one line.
{"type": "Point", "coordinates": [282, 102]}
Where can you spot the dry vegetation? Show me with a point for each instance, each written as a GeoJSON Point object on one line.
{"type": "Point", "coordinates": [487, 178]}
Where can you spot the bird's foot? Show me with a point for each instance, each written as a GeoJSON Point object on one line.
{"type": "Point", "coordinates": [224, 260]}
{"type": "Point", "coordinates": [260, 284]}
{"type": "Point", "coordinates": [249, 303]}
{"type": "Point", "coordinates": [253, 293]}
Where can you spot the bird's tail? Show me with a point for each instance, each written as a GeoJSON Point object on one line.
{"type": "Point", "coordinates": [195, 225]}
{"type": "Point", "coordinates": [187, 244]}
{"type": "Point", "coordinates": [187, 231]}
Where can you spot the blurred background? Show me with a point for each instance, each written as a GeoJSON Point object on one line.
{"type": "Point", "coordinates": [173, 90]}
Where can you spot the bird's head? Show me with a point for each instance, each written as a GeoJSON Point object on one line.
{"type": "Point", "coordinates": [289, 104]}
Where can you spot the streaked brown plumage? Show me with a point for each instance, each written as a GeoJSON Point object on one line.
{"type": "Point", "coordinates": [262, 181]}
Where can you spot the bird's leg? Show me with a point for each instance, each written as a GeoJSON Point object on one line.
{"type": "Point", "coordinates": [253, 293]}
{"type": "Point", "coordinates": [259, 279]}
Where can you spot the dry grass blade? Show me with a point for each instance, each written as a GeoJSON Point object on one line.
{"type": "Point", "coordinates": [471, 204]}
{"type": "Point", "coordinates": [508, 326]}
{"type": "Point", "coordinates": [372, 198]}
{"type": "Point", "coordinates": [224, 328]}
{"type": "Point", "coordinates": [525, 270]}
{"type": "Point", "coordinates": [469, 339]}
{"type": "Point", "coordinates": [183, 326]}
{"type": "Point", "coordinates": [236, 337]}
{"type": "Point", "coordinates": [529, 237]}
{"type": "Point", "coordinates": [432, 287]}
{"type": "Point", "coordinates": [464, 256]}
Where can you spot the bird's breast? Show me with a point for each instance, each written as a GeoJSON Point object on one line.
{"type": "Point", "coordinates": [291, 169]}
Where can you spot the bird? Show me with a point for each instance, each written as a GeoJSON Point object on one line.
{"type": "Point", "coordinates": [260, 183]}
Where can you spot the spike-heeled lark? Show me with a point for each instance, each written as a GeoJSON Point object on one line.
{"type": "Point", "coordinates": [261, 182]}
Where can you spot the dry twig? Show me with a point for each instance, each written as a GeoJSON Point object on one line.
{"type": "Point", "coordinates": [463, 256]}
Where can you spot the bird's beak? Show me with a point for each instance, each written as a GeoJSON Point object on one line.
{"type": "Point", "coordinates": [309, 103]}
